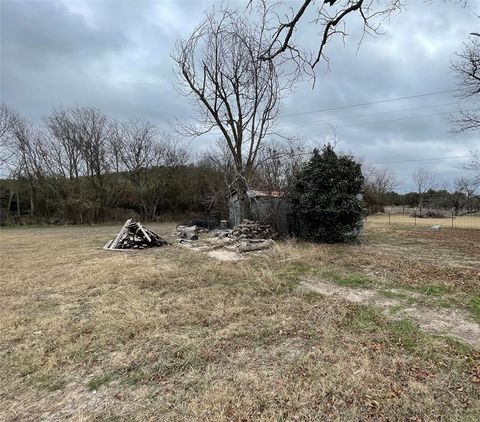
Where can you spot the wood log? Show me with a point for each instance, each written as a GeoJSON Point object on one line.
{"type": "Point", "coordinates": [144, 232]}
{"type": "Point", "coordinates": [113, 245]}
{"type": "Point", "coordinates": [107, 245]}
{"type": "Point", "coordinates": [220, 245]}
{"type": "Point", "coordinates": [249, 247]}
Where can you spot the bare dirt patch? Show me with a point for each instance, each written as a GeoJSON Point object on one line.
{"type": "Point", "coordinates": [451, 322]}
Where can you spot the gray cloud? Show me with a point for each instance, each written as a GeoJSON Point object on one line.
{"type": "Point", "coordinates": [116, 55]}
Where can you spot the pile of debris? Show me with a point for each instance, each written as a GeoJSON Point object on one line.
{"type": "Point", "coordinates": [134, 236]}
{"type": "Point", "coordinates": [188, 232]}
{"type": "Point", "coordinates": [227, 244]}
{"type": "Point", "coordinates": [252, 230]}
{"type": "Point", "coordinates": [428, 214]}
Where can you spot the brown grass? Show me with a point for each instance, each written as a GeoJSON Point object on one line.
{"type": "Point", "coordinates": [167, 334]}
{"type": "Point", "coordinates": [468, 221]}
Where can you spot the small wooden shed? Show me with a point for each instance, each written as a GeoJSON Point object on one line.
{"type": "Point", "coordinates": [266, 208]}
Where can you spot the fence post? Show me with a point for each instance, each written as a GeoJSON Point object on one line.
{"type": "Point", "coordinates": [415, 214]}
{"type": "Point", "coordinates": [452, 218]}
{"type": "Point", "coordinates": [389, 216]}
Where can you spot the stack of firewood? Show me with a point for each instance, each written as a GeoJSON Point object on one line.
{"type": "Point", "coordinates": [134, 236]}
{"type": "Point", "coordinates": [252, 230]}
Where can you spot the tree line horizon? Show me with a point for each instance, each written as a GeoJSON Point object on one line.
{"type": "Point", "coordinates": [80, 166]}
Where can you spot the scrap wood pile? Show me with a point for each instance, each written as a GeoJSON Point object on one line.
{"type": "Point", "coordinates": [248, 236]}
{"type": "Point", "coordinates": [134, 236]}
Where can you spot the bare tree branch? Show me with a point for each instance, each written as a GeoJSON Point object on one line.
{"type": "Point", "coordinates": [467, 68]}
{"type": "Point", "coordinates": [327, 16]}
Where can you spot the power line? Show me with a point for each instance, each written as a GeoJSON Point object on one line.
{"type": "Point", "coordinates": [307, 153]}
{"type": "Point", "coordinates": [372, 102]}
{"type": "Point", "coordinates": [313, 129]}
{"type": "Point", "coordinates": [423, 159]}
{"type": "Point", "coordinates": [404, 118]}
{"type": "Point", "coordinates": [378, 113]}
{"type": "Point", "coordinates": [393, 111]}
{"type": "Point", "coordinates": [391, 120]}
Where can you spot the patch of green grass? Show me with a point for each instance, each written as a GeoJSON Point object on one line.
{"type": "Point", "coordinates": [353, 280]}
{"type": "Point", "coordinates": [134, 378]}
{"type": "Point", "coordinates": [475, 308]}
{"type": "Point", "coordinates": [406, 334]}
{"type": "Point", "coordinates": [294, 272]}
{"type": "Point", "coordinates": [365, 317]}
{"type": "Point", "coordinates": [392, 295]}
{"type": "Point", "coordinates": [458, 348]}
{"type": "Point", "coordinates": [444, 303]}
{"type": "Point", "coordinates": [97, 382]}
{"type": "Point", "coordinates": [395, 295]}
{"type": "Point", "coordinates": [434, 290]}
{"type": "Point", "coordinates": [395, 309]}
{"type": "Point", "coordinates": [49, 383]}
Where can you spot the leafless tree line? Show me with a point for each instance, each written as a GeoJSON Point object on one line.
{"type": "Point", "coordinates": [81, 166]}
{"type": "Point", "coordinates": [70, 160]}
{"type": "Point", "coordinates": [463, 195]}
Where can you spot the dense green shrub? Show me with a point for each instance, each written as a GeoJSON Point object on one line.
{"type": "Point", "coordinates": [326, 197]}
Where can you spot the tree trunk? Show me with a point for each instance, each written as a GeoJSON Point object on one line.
{"type": "Point", "coordinates": [9, 204]}
{"type": "Point", "coordinates": [18, 204]}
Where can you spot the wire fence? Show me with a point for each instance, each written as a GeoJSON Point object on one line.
{"type": "Point", "coordinates": [444, 219]}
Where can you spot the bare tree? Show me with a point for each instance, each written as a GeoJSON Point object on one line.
{"type": "Point", "coordinates": [32, 160]}
{"type": "Point", "coordinates": [466, 196]}
{"type": "Point", "coordinates": [8, 122]}
{"type": "Point", "coordinates": [217, 161]}
{"type": "Point", "coordinates": [81, 148]}
{"type": "Point", "coordinates": [467, 188]}
{"type": "Point", "coordinates": [141, 150]}
{"type": "Point", "coordinates": [233, 91]}
{"type": "Point", "coordinates": [467, 69]}
{"type": "Point", "coordinates": [28, 147]}
{"type": "Point", "coordinates": [473, 165]}
{"type": "Point", "coordinates": [424, 180]}
{"type": "Point", "coordinates": [67, 145]}
{"type": "Point", "coordinates": [278, 161]}
{"type": "Point", "coordinates": [329, 18]}
{"type": "Point", "coordinates": [378, 182]}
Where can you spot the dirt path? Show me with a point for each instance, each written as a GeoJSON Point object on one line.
{"type": "Point", "coordinates": [452, 322]}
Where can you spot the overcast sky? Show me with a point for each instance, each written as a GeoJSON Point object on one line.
{"type": "Point", "coordinates": [115, 55]}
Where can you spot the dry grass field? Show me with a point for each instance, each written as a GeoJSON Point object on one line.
{"type": "Point", "coordinates": [469, 221]}
{"type": "Point", "coordinates": [169, 335]}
